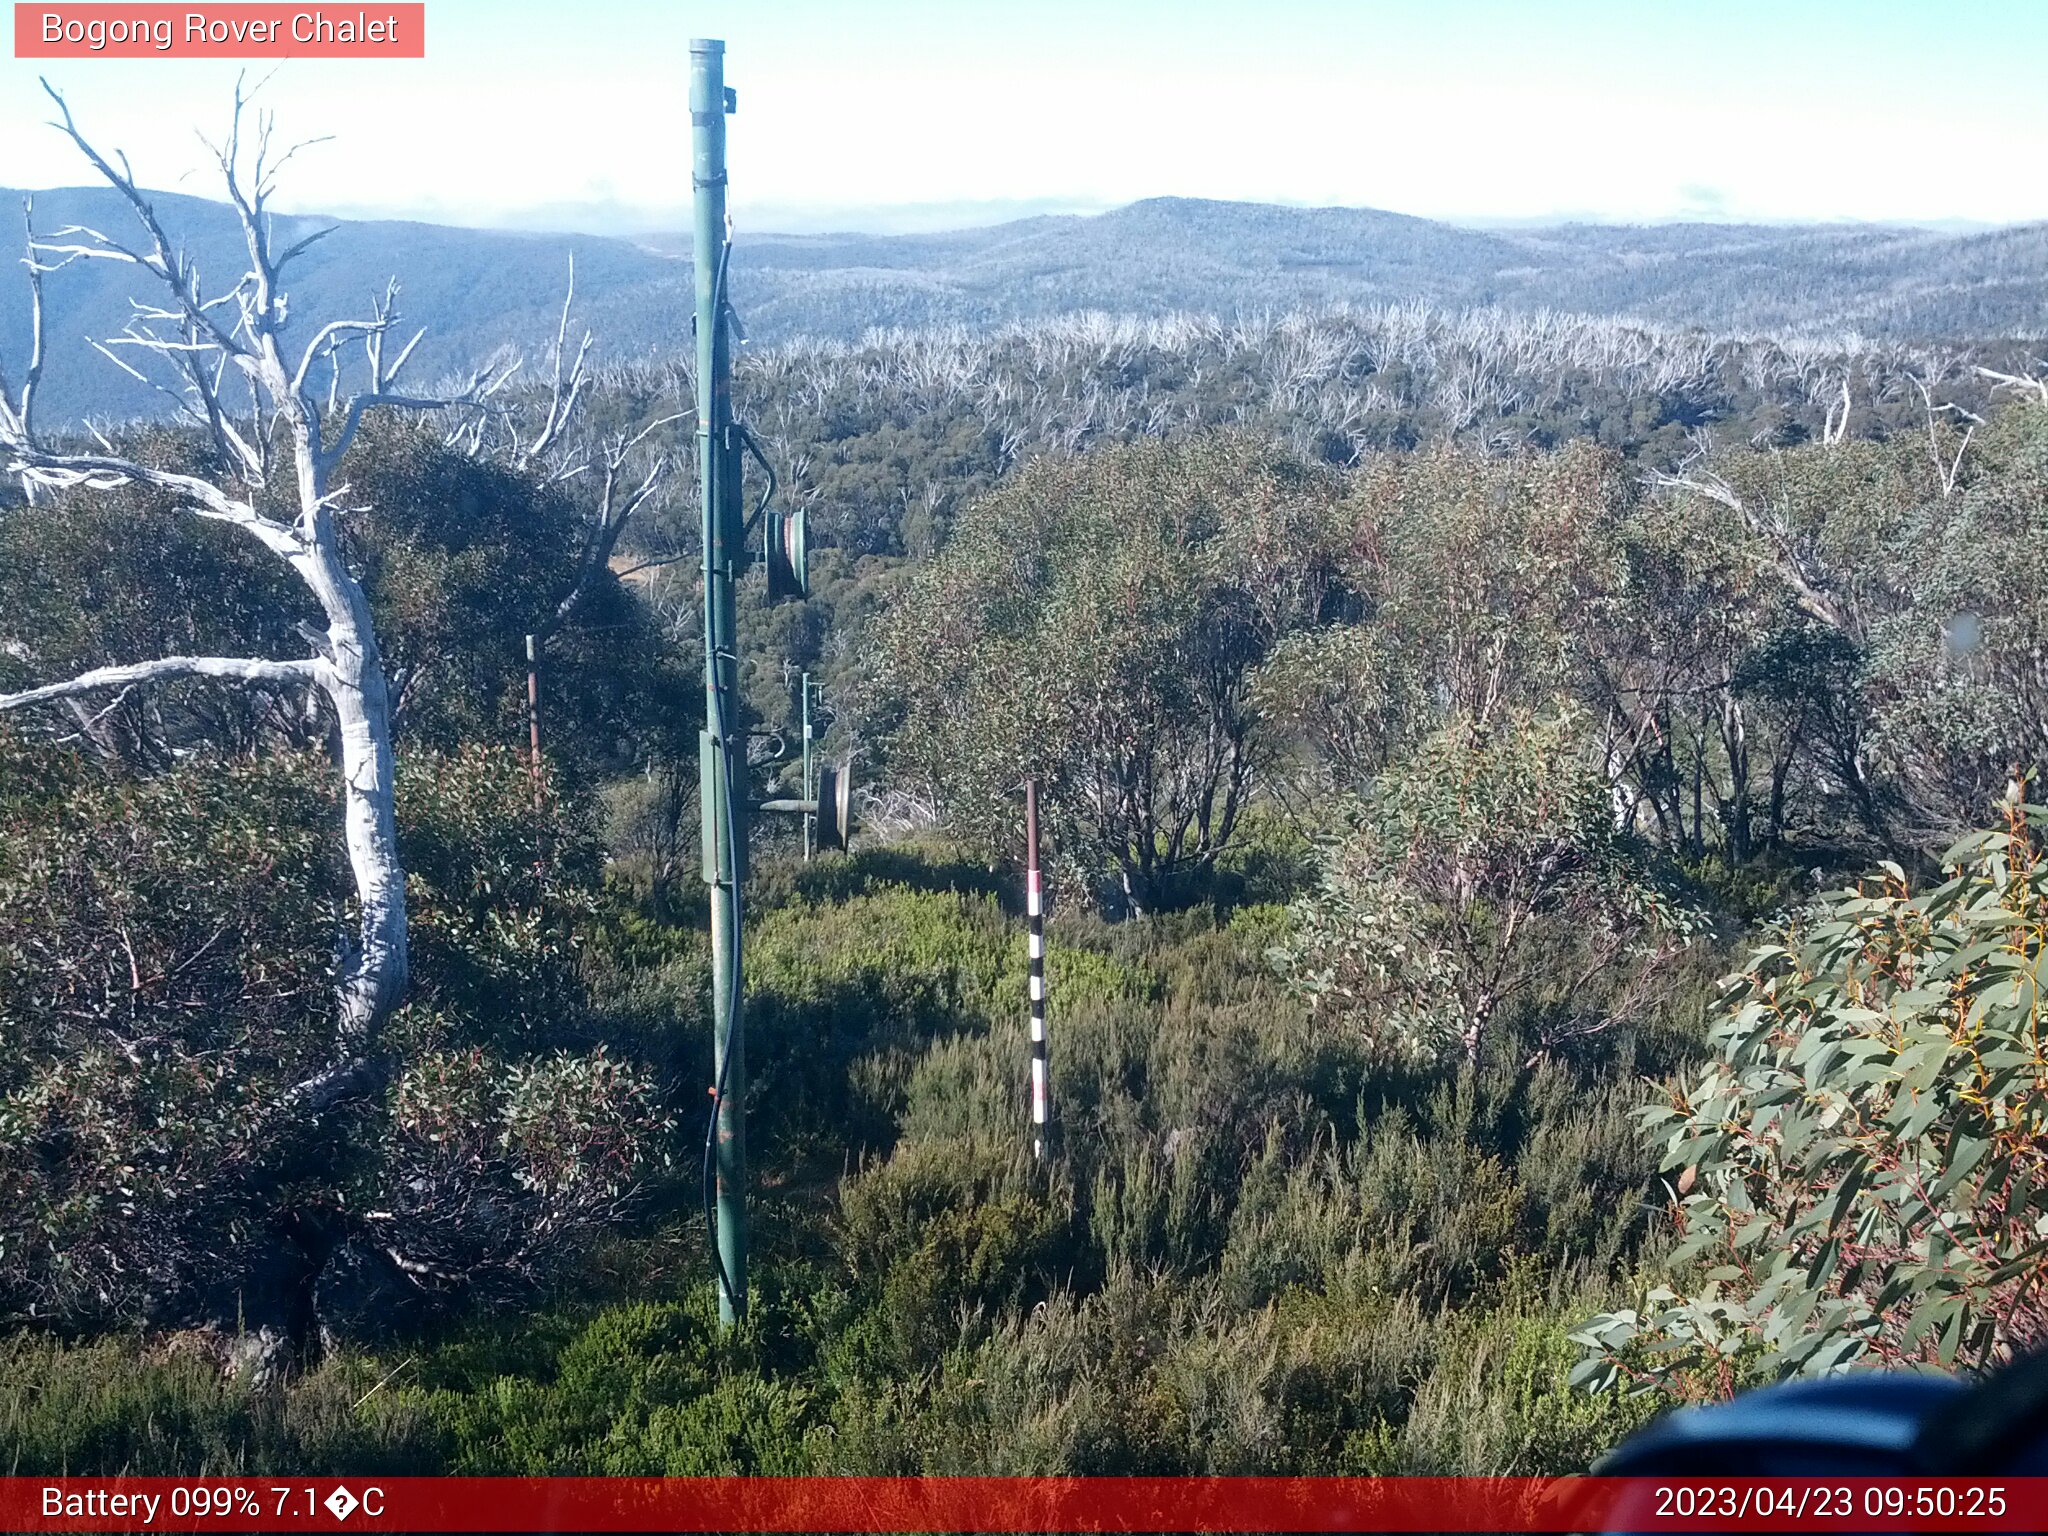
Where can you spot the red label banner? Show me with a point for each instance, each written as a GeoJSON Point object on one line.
{"type": "Point", "coordinates": [240, 31]}
{"type": "Point", "coordinates": [1021, 1504]}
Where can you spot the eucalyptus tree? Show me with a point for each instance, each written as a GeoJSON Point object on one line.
{"type": "Point", "coordinates": [1099, 622]}
{"type": "Point", "coordinates": [1483, 882]}
{"type": "Point", "coordinates": [1908, 578]}
{"type": "Point", "coordinates": [278, 442]}
{"type": "Point", "coordinates": [1698, 669]}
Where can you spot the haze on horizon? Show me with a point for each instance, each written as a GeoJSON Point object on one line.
{"type": "Point", "coordinates": [918, 114]}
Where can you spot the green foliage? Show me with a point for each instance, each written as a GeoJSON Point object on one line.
{"type": "Point", "coordinates": [1949, 585]}
{"type": "Point", "coordinates": [1258, 1251]}
{"type": "Point", "coordinates": [165, 955]}
{"type": "Point", "coordinates": [1502, 1396]}
{"type": "Point", "coordinates": [850, 1000]}
{"type": "Point", "coordinates": [1337, 698]}
{"type": "Point", "coordinates": [460, 560]}
{"type": "Point", "coordinates": [944, 1230]}
{"type": "Point", "coordinates": [1484, 872]}
{"type": "Point", "coordinates": [1858, 1178]}
{"type": "Point", "coordinates": [635, 1389]}
{"type": "Point", "coordinates": [844, 996]}
{"type": "Point", "coordinates": [1835, 639]}
{"type": "Point", "coordinates": [1335, 1219]}
{"type": "Point", "coordinates": [93, 579]}
{"type": "Point", "coordinates": [643, 1390]}
{"type": "Point", "coordinates": [163, 970]}
{"type": "Point", "coordinates": [1096, 622]}
{"type": "Point", "coordinates": [1482, 569]}
{"type": "Point", "coordinates": [499, 893]}
{"type": "Point", "coordinates": [1150, 1376]}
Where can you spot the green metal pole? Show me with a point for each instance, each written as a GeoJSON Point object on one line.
{"type": "Point", "coordinates": [810, 793]}
{"type": "Point", "coordinates": [723, 742]}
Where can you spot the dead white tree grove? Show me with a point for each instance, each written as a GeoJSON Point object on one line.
{"type": "Point", "coordinates": [540, 433]}
{"type": "Point", "coordinates": [221, 358]}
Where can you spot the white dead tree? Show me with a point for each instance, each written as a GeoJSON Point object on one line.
{"type": "Point", "coordinates": [542, 435]}
{"type": "Point", "coordinates": [1795, 564]}
{"type": "Point", "coordinates": [2022, 384]}
{"type": "Point", "coordinates": [221, 358]}
{"type": "Point", "coordinates": [1948, 466]}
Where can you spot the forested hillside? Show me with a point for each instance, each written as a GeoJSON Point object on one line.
{"type": "Point", "coordinates": [1430, 706]}
{"type": "Point", "coordinates": [1168, 254]}
{"type": "Point", "coordinates": [484, 290]}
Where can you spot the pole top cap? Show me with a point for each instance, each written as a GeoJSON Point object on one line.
{"type": "Point", "coordinates": [707, 45]}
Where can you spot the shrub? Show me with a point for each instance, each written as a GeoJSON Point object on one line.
{"type": "Point", "coordinates": [1860, 1173]}
{"type": "Point", "coordinates": [166, 946]}
{"type": "Point", "coordinates": [945, 1232]}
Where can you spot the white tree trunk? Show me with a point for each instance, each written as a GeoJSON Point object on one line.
{"type": "Point", "coordinates": [372, 986]}
{"type": "Point", "coordinates": [374, 973]}
{"type": "Point", "coordinates": [373, 977]}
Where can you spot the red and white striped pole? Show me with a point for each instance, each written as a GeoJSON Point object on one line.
{"type": "Point", "coordinates": [1034, 911]}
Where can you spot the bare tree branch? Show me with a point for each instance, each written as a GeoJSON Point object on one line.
{"type": "Point", "coordinates": [2024, 383]}
{"type": "Point", "coordinates": [324, 344]}
{"type": "Point", "coordinates": [474, 395]}
{"type": "Point", "coordinates": [656, 562]}
{"type": "Point", "coordinates": [239, 669]}
{"type": "Point", "coordinates": [1808, 589]}
{"type": "Point", "coordinates": [17, 412]}
{"type": "Point", "coordinates": [292, 252]}
{"type": "Point", "coordinates": [1948, 469]}
{"type": "Point", "coordinates": [1835, 428]}
{"type": "Point", "coordinates": [106, 471]}
{"type": "Point", "coordinates": [164, 259]}
{"type": "Point", "coordinates": [557, 450]}
{"type": "Point", "coordinates": [614, 511]}
{"type": "Point", "coordinates": [89, 724]}
{"type": "Point", "coordinates": [563, 398]}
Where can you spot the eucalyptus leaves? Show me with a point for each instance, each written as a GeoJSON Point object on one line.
{"type": "Point", "coordinates": [1863, 1174]}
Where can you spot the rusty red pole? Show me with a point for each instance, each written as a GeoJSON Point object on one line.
{"type": "Point", "coordinates": [533, 716]}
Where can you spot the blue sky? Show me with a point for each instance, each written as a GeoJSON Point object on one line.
{"type": "Point", "coordinates": [893, 112]}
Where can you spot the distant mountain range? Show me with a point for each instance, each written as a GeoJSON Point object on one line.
{"type": "Point", "coordinates": [476, 290]}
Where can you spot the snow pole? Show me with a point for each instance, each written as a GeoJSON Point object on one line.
{"type": "Point", "coordinates": [1034, 910]}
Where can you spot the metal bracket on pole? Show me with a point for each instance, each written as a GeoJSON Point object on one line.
{"type": "Point", "coordinates": [829, 812]}
{"type": "Point", "coordinates": [811, 816]}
